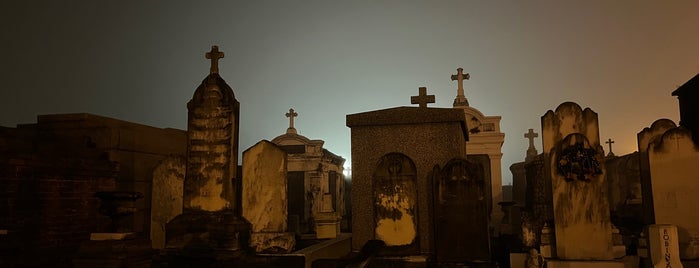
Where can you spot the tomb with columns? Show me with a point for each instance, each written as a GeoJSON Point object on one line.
{"type": "Point", "coordinates": [315, 183]}
{"type": "Point", "coordinates": [484, 145]}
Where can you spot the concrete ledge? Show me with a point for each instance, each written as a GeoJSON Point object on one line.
{"type": "Point", "coordinates": [584, 264]}
{"type": "Point", "coordinates": [111, 236]}
{"type": "Point", "coordinates": [330, 249]}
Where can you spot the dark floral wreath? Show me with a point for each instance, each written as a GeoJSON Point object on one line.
{"type": "Point", "coordinates": [578, 162]}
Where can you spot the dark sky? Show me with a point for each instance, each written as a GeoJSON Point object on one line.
{"type": "Point", "coordinates": [141, 61]}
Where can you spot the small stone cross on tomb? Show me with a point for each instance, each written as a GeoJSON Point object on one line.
{"type": "Point", "coordinates": [422, 98]}
{"type": "Point", "coordinates": [610, 141]}
{"type": "Point", "coordinates": [291, 114]}
{"type": "Point", "coordinates": [460, 76]}
{"type": "Point", "coordinates": [531, 135]}
{"type": "Point", "coordinates": [214, 55]}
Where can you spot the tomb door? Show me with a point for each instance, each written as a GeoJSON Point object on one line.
{"type": "Point", "coordinates": [296, 194]}
{"type": "Point", "coordinates": [395, 195]}
{"type": "Point", "coordinates": [461, 217]}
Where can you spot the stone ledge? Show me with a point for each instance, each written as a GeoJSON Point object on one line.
{"type": "Point", "coordinates": [111, 236]}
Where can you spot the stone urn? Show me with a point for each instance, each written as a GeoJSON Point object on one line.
{"type": "Point", "coordinates": [118, 205]}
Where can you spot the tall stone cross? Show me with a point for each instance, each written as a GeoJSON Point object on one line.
{"type": "Point", "coordinates": [460, 96]}
{"type": "Point", "coordinates": [422, 98]}
{"type": "Point", "coordinates": [610, 141]}
{"type": "Point", "coordinates": [291, 114]}
{"type": "Point", "coordinates": [531, 151]}
{"type": "Point", "coordinates": [214, 55]}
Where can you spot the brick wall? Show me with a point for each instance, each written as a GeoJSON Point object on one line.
{"type": "Point", "coordinates": [47, 200]}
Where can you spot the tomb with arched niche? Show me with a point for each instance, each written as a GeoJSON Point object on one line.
{"type": "Point", "coordinates": [396, 176]}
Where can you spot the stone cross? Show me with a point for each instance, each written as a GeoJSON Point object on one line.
{"type": "Point", "coordinates": [460, 96]}
{"type": "Point", "coordinates": [460, 76]}
{"type": "Point", "coordinates": [422, 98]}
{"type": "Point", "coordinates": [531, 135]}
{"type": "Point", "coordinates": [531, 151]}
{"type": "Point", "coordinates": [291, 114]}
{"type": "Point", "coordinates": [610, 141]}
{"type": "Point", "coordinates": [214, 55]}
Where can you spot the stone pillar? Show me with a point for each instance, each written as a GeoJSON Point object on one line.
{"type": "Point", "coordinates": [211, 225]}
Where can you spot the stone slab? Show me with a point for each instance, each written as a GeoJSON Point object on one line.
{"type": "Point", "coordinates": [264, 187]}
{"type": "Point", "coordinates": [330, 249]}
{"type": "Point", "coordinates": [166, 197]}
{"type": "Point", "coordinates": [517, 260]}
{"type": "Point", "coordinates": [570, 138]}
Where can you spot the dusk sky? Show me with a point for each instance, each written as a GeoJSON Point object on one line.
{"type": "Point", "coordinates": [141, 61]}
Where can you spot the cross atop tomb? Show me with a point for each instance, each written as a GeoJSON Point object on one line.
{"type": "Point", "coordinates": [531, 151]}
{"type": "Point", "coordinates": [422, 98]}
{"type": "Point", "coordinates": [460, 99]}
{"type": "Point", "coordinates": [214, 55]}
{"type": "Point", "coordinates": [610, 141]}
{"type": "Point", "coordinates": [531, 135]}
{"type": "Point", "coordinates": [291, 114]}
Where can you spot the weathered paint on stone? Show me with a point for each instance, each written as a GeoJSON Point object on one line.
{"type": "Point", "coordinates": [580, 206]}
{"type": "Point", "coordinates": [394, 197]}
{"type": "Point", "coordinates": [398, 227]}
{"type": "Point", "coordinates": [166, 202]}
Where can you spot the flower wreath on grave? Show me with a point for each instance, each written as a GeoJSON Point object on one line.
{"type": "Point", "coordinates": [578, 162]}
